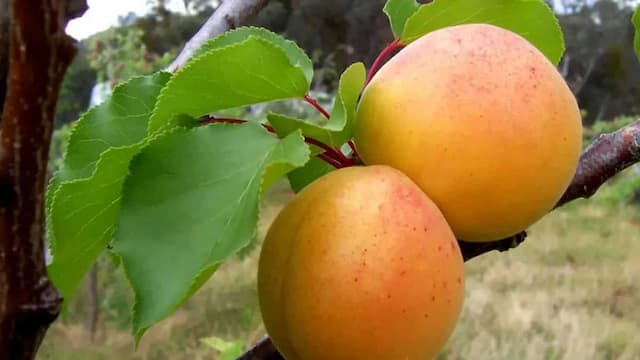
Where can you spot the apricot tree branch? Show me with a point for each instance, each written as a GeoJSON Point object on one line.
{"type": "Point", "coordinates": [39, 54]}
{"type": "Point", "coordinates": [605, 157]}
{"type": "Point", "coordinates": [262, 350]}
{"type": "Point", "coordinates": [229, 15]}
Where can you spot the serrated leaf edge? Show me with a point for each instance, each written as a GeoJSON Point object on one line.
{"type": "Point", "coordinates": [138, 331]}
{"type": "Point", "coordinates": [50, 234]}
{"type": "Point", "coordinates": [54, 196]}
{"type": "Point", "coordinates": [386, 11]}
{"type": "Point", "coordinates": [163, 93]}
{"type": "Point", "coordinates": [290, 42]}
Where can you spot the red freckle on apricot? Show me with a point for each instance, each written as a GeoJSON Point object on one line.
{"type": "Point", "coordinates": [326, 293]}
{"type": "Point", "coordinates": [492, 61]}
{"type": "Point", "coordinates": [459, 280]}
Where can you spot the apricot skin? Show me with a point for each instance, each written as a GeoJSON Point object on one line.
{"type": "Point", "coordinates": [481, 121]}
{"type": "Point", "coordinates": [360, 265]}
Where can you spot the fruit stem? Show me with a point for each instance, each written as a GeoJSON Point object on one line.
{"type": "Point", "coordinates": [336, 153]}
{"type": "Point", "coordinates": [353, 147]}
{"type": "Point", "coordinates": [333, 157]}
{"type": "Point", "coordinates": [313, 102]}
{"type": "Point", "coordinates": [331, 161]}
{"type": "Point", "coordinates": [379, 61]}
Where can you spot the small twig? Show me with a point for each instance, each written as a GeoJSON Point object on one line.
{"type": "Point", "coordinates": [313, 102]}
{"type": "Point", "coordinates": [379, 61]}
{"type": "Point", "coordinates": [262, 350]}
{"type": "Point", "coordinates": [605, 157]}
{"type": "Point", "coordinates": [333, 157]}
{"type": "Point", "coordinates": [335, 153]}
{"type": "Point", "coordinates": [229, 15]}
{"type": "Point", "coordinates": [473, 249]}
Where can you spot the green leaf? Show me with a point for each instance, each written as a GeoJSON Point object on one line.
{"type": "Point", "coordinates": [636, 25]}
{"type": "Point", "coordinates": [191, 201]}
{"type": "Point", "coordinates": [229, 350]}
{"type": "Point", "coordinates": [349, 88]}
{"type": "Point", "coordinates": [249, 72]}
{"type": "Point", "coordinates": [338, 129]}
{"type": "Point", "coordinates": [531, 19]}
{"type": "Point", "coordinates": [315, 168]}
{"type": "Point", "coordinates": [398, 11]}
{"type": "Point", "coordinates": [83, 196]}
{"type": "Point", "coordinates": [296, 55]}
{"type": "Point", "coordinates": [82, 218]}
{"type": "Point", "coordinates": [119, 121]}
{"type": "Point", "coordinates": [284, 125]}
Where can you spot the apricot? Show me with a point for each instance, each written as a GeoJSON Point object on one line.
{"type": "Point", "coordinates": [481, 121]}
{"type": "Point", "coordinates": [360, 265]}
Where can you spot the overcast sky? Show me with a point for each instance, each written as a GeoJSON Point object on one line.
{"type": "Point", "coordinates": [103, 14]}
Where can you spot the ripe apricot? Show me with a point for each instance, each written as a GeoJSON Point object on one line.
{"type": "Point", "coordinates": [481, 121]}
{"type": "Point", "coordinates": [360, 265]}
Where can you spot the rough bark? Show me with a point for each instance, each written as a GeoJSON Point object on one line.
{"type": "Point", "coordinates": [229, 15]}
{"type": "Point", "coordinates": [39, 53]}
{"type": "Point", "coordinates": [606, 156]}
{"type": "Point", "coordinates": [4, 50]}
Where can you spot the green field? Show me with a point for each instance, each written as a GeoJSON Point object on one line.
{"type": "Point", "coordinates": [571, 291]}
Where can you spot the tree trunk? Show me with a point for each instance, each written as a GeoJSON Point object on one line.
{"type": "Point", "coordinates": [39, 54]}
{"type": "Point", "coordinates": [4, 50]}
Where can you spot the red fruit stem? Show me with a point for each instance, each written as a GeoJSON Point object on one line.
{"type": "Point", "coordinates": [336, 153]}
{"type": "Point", "coordinates": [353, 147]}
{"type": "Point", "coordinates": [331, 161]}
{"type": "Point", "coordinates": [313, 102]}
{"type": "Point", "coordinates": [345, 161]}
{"type": "Point", "coordinates": [333, 157]}
{"type": "Point", "coordinates": [379, 61]}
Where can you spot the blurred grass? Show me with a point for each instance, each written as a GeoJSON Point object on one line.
{"type": "Point", "coordinates": [571, 291]}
